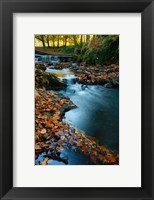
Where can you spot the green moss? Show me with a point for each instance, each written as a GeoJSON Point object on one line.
{"type": "Point", "coordinates": [47, 80]}
{"type": "Point", "coordinates": [67, 50]}
{"type": "Point", "coordinates": [101, 51]}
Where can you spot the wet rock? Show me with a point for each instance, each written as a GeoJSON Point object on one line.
{"type": "Point", "coordinates": [74, 64]}
{"type": "Point", "coordinates": [103, 81]}
{"type": "Point", "coordinates": [114, 82]}
{"type": "Point", "coordinates": [108, 85]}
{"type": "Point", "coordinates": [83, 87]}
{"type": "Point", "coordinates": [47, 80]}
{"type": "Point", "coordinates": [40, 66]}
{"type": "Point", "coordinates": [115, 69]}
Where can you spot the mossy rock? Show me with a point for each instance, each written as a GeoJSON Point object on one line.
{"type": "Point", "coordinates": [47, 80]}
{"type": "Point", "coordinates": [101, 51]}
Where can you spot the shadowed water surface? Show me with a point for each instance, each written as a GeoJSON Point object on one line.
{"type": "Point", "coordinates": [98, 109]}
{"type": "Point", "coordinates": [97, 113]}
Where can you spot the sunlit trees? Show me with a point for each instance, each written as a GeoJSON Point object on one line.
{"type": "Point", "coordinates": [63, 40]}
{"type": "Point", "coordinates": [92, 49]}
{"type": "Point", "coordinates": [65, 37]}
{"type": "Point", "coordinates": [47, 39]}
{"type": "Point", "coordinates": [41, 38]}
{"type": "Point", "coordinates": [87, 38]}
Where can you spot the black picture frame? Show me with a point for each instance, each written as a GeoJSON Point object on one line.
{"type": "Point", "coordinates": [7, 8]}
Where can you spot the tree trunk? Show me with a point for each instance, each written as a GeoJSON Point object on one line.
{"type": "Point", "coordinates": [48, 42]}
{"type": "Point", "coordinates": [81, 40]}
{"type": "Point", "coordinates": [75, 41]}
{"type": "Point", "coordinates": [53, 41]}
{"type": "Point", "coordinates": [87, 38]}
{"type": "Point", "coordinates": [64, 42]}
{"type": "Point", "coordinates": [94, 36]}
{"type": "Point", "coordinates": [43, 42]}
{"type": "Point", "coordinates": [58, 42]}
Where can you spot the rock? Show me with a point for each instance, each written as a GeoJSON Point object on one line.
{"type": "Point", "coordinates": [66, 107]}
{"type": "Point", "coordinates": [73, 148]}
{"type": "Point", "coordinates": [115, 69]}
{"type": "Point", "coordinates": [51, 67]}
{"type": "Point", "coordinates": [108, 85]}
{"type": "Point", "coordinates": [47, 80]}
{"type": "Point", "coordinates": [83, 87]}
{"type": "Point", "coordinates": [40, 66]}
{"type": "Point", "coordinates": [62, 137]}
{"type": "Point", "coordinates": [115, 83]}
{"type": "Point", "coordinates": [74, 64]}
{"type": "Point", "coordinates": [64, 160]}
{"type": "Point", "coordinates": [103, 81]}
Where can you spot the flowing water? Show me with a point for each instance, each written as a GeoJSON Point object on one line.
{"type": "Point", "coordinates": [97, 112]}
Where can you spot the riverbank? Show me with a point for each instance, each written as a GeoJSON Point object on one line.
{"type": "Point", "coordinates": [53, 134]}
{"type": "Point", "coordinates": [55, 50]}
{"type": "Point", "coordinates": [93, 75]}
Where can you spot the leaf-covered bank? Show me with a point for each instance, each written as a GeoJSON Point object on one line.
{"type": "Point", "coordinates": [93, 60]}
{"type": "Point", "coordinates": [53, 134]}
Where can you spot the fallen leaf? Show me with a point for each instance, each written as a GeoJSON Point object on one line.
{"type": "Point", "coordinates": [111, 158]}
{"type": "Point", "coordinates": [85, 149]}
{"type": "Point", "coordinates": [62, 137]}
{"type": "Point", "coordinates": [38, 148]}
{"type": "Point", "coordinates": [43, 131]}
{"type": "Point", "coordinates": [45, 161]}
{"type": "Point", "coordinates": [101, 157]}
{"type": "Point", "coordinates": [61, 148]}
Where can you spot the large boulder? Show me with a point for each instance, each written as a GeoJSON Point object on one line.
{"type": "Point", "coordinates": [48, 81]}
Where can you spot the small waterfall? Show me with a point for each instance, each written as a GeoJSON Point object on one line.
{"type": "Point", "coordinates": [64, 75]}
{"type": "Point", "coordinates": [68, 77]}
{"type": "Point", "coordinates": [69, 80]}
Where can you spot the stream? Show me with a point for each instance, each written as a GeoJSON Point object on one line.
{"type": "Point", "coordinates": [97, 113]}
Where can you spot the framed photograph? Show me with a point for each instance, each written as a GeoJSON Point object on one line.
{"type": "Point", "coordinates": [76, 99]}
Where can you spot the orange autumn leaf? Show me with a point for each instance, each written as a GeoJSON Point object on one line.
{"type": "Point", "coordinates": [101, 157]}
{"type": "Point", "coordinates": [54, 130]}
{"type": "Point", "coordinates": [111, 158]}
{"type": "Point", "coordinates": [38, 148]}
{"type": "Point", "coordinates": [49, 124]}
{"type": "Point", "coordinates": [43, 131]}
{"type": "Point", "coordinates": [92, 157]}
{"type": "Point", "coordinates": [37, 95]}
{"type": "Point", "coordinates": [62, 137]}
{"type": "Point", "coordinates": [94, 152]}
{"type": "Point", "coordinates": [61, 148]}
{"type": "Point", "coordinates": [85, 149]}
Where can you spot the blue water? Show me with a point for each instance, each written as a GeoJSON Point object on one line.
{"type": "Point", "coordinates": [97, 113]}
